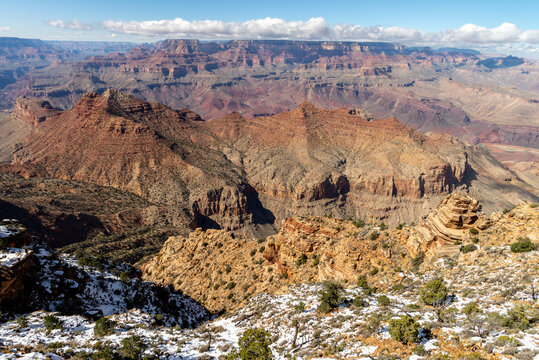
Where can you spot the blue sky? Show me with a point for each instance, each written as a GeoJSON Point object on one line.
{"type": "Point", "coordinates": [503, 26]}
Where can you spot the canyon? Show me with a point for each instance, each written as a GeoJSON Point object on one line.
{"type": "Point", "coordinates": [247, 175]}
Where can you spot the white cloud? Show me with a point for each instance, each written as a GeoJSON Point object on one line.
{"type": "Point", "coordinates": [5, 28]}
{"type": "Point", "coordinates": [469, 35]}
{"type": "Point", "coordinates": [73, 24]}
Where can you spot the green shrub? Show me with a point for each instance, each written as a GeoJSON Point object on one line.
{"type": "Point", "coordinates": [374, 271]}
{"type": "Point", "coordinates": [125, 276]}
{"type": "Point", "coordinates": [104, 327]}
{"type": "Point", "coordinates": [159, 320]}
{"type": "Point", "coordinates": [253, 252]}
{"type": "Point", "coordinates": [418, 260]}
{"type": "Point", "coordinates": [362, 282]}
{"type": "Point", "coordinates": [330, 296]}
{"type": "Point", "coordinates": [522, 245]}
{"type": "Point", "coordinates": [521, 317]}
{"type": "Point", "coordinates": [302, 260]}
{"type": "Point", "coordinates": [52, 322]}
{"type": "Point", "coordinates": [359, 223]}
{"type": "Point", "coordinates": [132, 348]}
{"type": "Point", "coordinates": [475, 239]}
{"type": "Point", "coordinates": [434, 293]}
{"type": "Point", "coordinates": [359, 302]}
{"type": "Point", "coordinates": [231, 285]}
{"type": "Point", "coordinates": [103, 352]}
{"type": "Point", "coordinates": [471, 309]}
{"type": "Point", "coordinates": [262, 248]}
{"type": "Point", "coordinates": [253, 345]}
{"type": "Point", "coordinates": [383, 300]}
{"type": "Point", "coordinates": [316, 260]}
{"type": "Point", "coordinates": [474, 231]}
{"type": "Point", "coordinates": [383, 226]}
{"type": "Point", "coordinates": [22, 321]}
{"type": "Point", "coordinates": [404, 330]}
{"type": "Point", "coordinates": [400, 226]}
{"type": "Point", "coordinates": [534, 205]}
{"type": "Point", "coordinates": [468, 248]}
{"type": "Point", "coordinates": [420, 350]}
{"type": "Point", "coordinates": [374, 235]}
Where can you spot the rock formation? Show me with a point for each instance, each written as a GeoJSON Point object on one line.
{"type": "Point", "coordinates": [220, 270]}
{"type": "Point", "coordinates": [15, 265]}
{"type": "Point", "coordinates": [249, 174]}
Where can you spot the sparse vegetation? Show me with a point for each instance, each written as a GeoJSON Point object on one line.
{"type": "Point", "coordinates": [522, 245]}
{"type": "Point", "coordinates": [132, 348]}
{"type": "Point", "coordinates": [104, 327]}
{"type": "Point", "coordinates": [468, 248]}
{"type": "Point", "coordinates": [330, 296]}
{"type": "Point", "coordinates": [52, 322]}
{"type": "Point", "coordinates": [253, 345]}
{"type": "Point", "coordinates": [404, 330]}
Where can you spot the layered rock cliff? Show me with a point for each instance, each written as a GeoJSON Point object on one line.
{"type": "Point", "coordinates": [249, 174]}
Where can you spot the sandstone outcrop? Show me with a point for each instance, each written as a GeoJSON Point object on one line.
{"type": "Point", "coordinates": [220, 270]}
{"type": "Point", "coordinates": [33, 110]}
{"type": "Point", "coordinates": [446, 227]}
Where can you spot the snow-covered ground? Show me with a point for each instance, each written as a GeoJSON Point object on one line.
{"type": "Point", "coordinates": [11, 256]}
{"type": "Point", "coordinates": [493, 278]}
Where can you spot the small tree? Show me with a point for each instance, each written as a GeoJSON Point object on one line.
{"type": "Point", "coordinates": [104, 327]}
{"type": "Point", "coordinates": [330, 297]}
{"type": "Point", "coordinates": [522, 245]}
{"type": "Point", "coordinates": [52, 322]}
{"type": "Point", "coordinates": [253, 345]}
{"type": "Point", "coordinates": [404, 330]}
{"type": "Point", "coordinates": [435, 294]}
{"type": "Point", "coordinates": [132, 348]}
{"type": "Point", "coordinates": [383, 301]}
{"type": "Point", "coordinates": [472, 312]}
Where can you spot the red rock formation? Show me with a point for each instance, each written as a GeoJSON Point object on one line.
{"type": "Point", "coordinates": [234, 171]}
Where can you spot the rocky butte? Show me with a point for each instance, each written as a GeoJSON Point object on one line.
{"type": "Point", "coordinates": [249, 174]}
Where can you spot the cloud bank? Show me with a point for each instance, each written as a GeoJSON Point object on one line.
{"type": "Point", "coordinates": [312, 29]}
{"type": "Point", "coordinates": [319, 29]}
{"type": "Point", "coordinates": [73, 24]}
{"type": "Point", "coordinates": [5, 28]}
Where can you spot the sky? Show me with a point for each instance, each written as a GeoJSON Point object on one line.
{"type": "Point", "coordinates": [505, 27]}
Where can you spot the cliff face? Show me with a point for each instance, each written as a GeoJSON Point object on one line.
{"type": "Point", "coordinates": [248, 174]}
{"type": "Point", "coordinates": [15, 265]}
{"type": "Point", "coordinates": [221, 270]}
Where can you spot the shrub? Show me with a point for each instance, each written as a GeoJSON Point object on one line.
{"type": "Point", "coordinates": [522, 245]}
{"type": "Point", "coordinates": [253, 252]}
{"type": "Point", "coordinates": [330, 297]}
{"type": "Point", "coordinates": [52, 322]}
{"type": "Point", "coordinates": [373, 235]}
{"type": "Point", "coordinates": [418, 260]}
{"type": "Point", "coordinates": [434, 293]}
{"type": "Point", "coordinates": [471, 309]}
{"type": "Point", "coordinates": [159, 320]}
{"type": "Point", "coordinates": [420, 350]}
{"type": "Point", "coordinates": [520, 317]}
{"type": "Point", "coordinates": [125, 276]}
{"type": "Point", "coordinates": [374, 271]}
{"type": "Point", "coordinates": [359, 223]}
{"type": "Point", "coordinates": [404, 330]}
{"type": "Point", "coordinates": [359, 302]}
{"type": "Point", "coordinates": [302, 260]}
{"type": "Point", "coordinates": [253, 345]}
{"type": "Point", "coordinates": [383, 300]}
{"type": "Point", "coordinates": [132, 347]}
{"type": "Point", "coordinates": [400, 226]}
{"type": "Point", "coordinates": [262, 248]}
{"type": "Point", "coordinates": [362, 282]}
{"type": "Point", "coordinates": [474, 231]}
{"type": "Point", "coordinates": [300, 307]}
{"type": "Point", "coordinates": [22, 321]}
{"type": "Point", "coordinates": [383, 226]}
{"type": "Point", "coordinates": [475, 239]}
{"type": "Point", "coordinates": [231, 285]}
{"type": "Point", "coordinates": [104, 327]}
{"type": "Point", "coordinates": [468, 248]}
